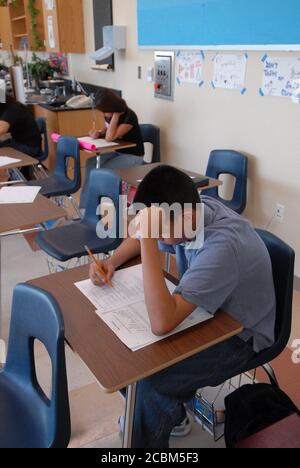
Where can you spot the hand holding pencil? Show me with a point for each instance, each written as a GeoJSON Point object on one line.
{"type": "Point", "coordinates": [101, 271]}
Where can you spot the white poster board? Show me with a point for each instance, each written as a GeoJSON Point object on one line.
{"type": "Point", "coordinates": [281, 77]}
{"type": "Point", "coordinates": [51, 35]}
{"type": "Point", "coordinates": [190, 67]}
{"type": "Point", "coordinates": [230, 71]}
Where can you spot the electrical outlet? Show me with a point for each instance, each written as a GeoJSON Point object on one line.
{"type": "Point", "coordinates": [280, 211]}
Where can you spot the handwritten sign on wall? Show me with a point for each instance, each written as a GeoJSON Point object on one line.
{"type": "Point", "coordinates": [281, 77]}
{"type": "Point", "coordinates": [190, 67]}
{"type": "Point", "coordinates": [230, 71]}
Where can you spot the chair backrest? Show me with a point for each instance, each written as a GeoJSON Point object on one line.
{"type": "Point", "coordinates": [103, 184]}
{"type": "Point", "coordinates": [232, 163]}
{"type": "Point", "coordinates": [68, 149]}
{"type": "Point", "coordinates": [42, 124]}
{"type": "Point", "coordinates": [151, 134]}
{"type": "Point", "coordinates": [36, 316]}
{"type": "Point", "coordinates": [283, 262]}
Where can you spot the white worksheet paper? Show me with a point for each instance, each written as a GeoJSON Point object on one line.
{"type": "Point", "coordinates": [124, 311]}
{"type": "Point", "coordinates": [127, 289]}
{"type": "Point", "coordinates": [99, 143]}
{"type": "Point", "coordinates": [6, 161]}
{"type": "Point", "coordinates": [15, 195]}
{"type": "Point", "coordinates": [132, 325]}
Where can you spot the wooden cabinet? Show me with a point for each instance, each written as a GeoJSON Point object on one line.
{"type": "Point", "coordinates": [6, 37]}
{"type": "Point", "coordinates": [76, 123]}
{"type": "Point", "coordinates": [22, 27]}
{"type": "Point", "coordinates": [64, 26]}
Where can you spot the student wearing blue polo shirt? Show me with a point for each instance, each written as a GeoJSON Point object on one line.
{"type": "Point", "coordinates": [224, 266]}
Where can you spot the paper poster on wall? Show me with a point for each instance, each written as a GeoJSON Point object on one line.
{"type": "Point", "coordinates": [230, 71]}
{"type": "Point", "coordinates": [281, 77]}
{"type": "Point", "coordinates": [51, 36]}
{"type": "Point", "coordinates": [49, 5]}
{"type": "Point", "coordinates": [190, 67]}
{"type": "Point", "coordinates": [2, 91]}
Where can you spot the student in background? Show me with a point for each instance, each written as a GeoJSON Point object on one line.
{"type": "Point", "coordinates": [227, 266]}
{"type": "Point", "coordinates": [17, 120]}
{"type": "Point", "coordinates": [120, 123]}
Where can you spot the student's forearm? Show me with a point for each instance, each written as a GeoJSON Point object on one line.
{"type": "Point", "coordinates": [113, 127]}
{"type": "Point", "coordinates": [128, 250]}
{"type": "Point", "coordinates": [160, 302]}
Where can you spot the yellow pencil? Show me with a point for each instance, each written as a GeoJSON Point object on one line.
{"type": "Point", "coordinates": [99, 268]}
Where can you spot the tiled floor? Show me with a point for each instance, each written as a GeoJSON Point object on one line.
{"type": "Point", "coordinates": [95, 414]}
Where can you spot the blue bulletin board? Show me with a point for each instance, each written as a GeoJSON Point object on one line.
{"type": "Point", "coordinates": [216, 24]}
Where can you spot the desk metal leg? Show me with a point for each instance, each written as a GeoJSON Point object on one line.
{"type": "Point", "coordinates": [98, 161]}
{"type": "Point", "coordinates": [129, 415]}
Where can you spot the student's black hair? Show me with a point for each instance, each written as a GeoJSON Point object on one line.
{"type": "Point", "coordinates": [109, 102]}
{"type": "Point", "coordinates": [166, 184]}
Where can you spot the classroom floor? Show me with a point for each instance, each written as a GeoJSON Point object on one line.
{"type": "Point", "coordinates": [94, 414]}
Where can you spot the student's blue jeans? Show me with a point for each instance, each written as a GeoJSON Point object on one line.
{"type": "Point", "coordinates": [160, 398]}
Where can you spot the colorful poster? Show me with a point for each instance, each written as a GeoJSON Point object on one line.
{"type": "Point", "coordinates": [281, 77]}
{"type": "Point", "coordinates": [190, 67]}
{"type": "Point", "coordinates": [230, 71]}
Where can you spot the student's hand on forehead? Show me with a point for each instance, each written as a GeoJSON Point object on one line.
{"type": "Point", "coordinates": [149, 224]}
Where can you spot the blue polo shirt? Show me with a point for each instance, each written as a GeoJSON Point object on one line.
{"type": "Point", "coordinates": [229, 268]}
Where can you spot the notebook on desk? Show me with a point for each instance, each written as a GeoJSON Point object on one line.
{"type": "Point", "coordinates": [124, 310]}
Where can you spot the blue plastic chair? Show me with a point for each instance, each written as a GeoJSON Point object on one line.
{"type": "Point", "coordinates": [235, 164]}
{"type": "Point", "coordinates": [28, 419]}
{"type": "Point", "coordinates": [151, 134]}
{"type": "Point", "coordinates": [59, 184]}
{"type": "Point", "coordinates": [68, 242]}
{"type": "Point", "coordinates": [42, 124]}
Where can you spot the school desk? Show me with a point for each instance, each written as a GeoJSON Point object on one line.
{"type": "Point", "coordinates": [113, 148]}
{"type": "Point", "coordinates": [17, 218]}
{"type": "Point", "coordinates": [25, 160]}
{"type": "Point", "coordinates": [133, 176]}
{"type": "Point", "coordinates": [112, 363]}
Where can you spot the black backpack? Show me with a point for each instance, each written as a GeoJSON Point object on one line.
{"type": "Point", "coordinates": [253, 408]}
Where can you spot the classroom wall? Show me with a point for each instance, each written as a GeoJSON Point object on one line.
{"type": "Point", "coordinates": [200, 120]}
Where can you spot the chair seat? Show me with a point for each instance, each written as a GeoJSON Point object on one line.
{"type": "Point", "coordinates": [68, 242]}
{"type": "Point", "coordinates": [284, 434]}
{"type": "Point", "coordinates": [53, 186]}
{"type": "Point", "coordinates": [21, 419]}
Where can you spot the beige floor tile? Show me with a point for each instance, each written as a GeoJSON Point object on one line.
{"type": "Point", "coordinates": [113, 441]}
{"type": "Point", "coordinates": [197, 439]}
{"type": "Point", "coordinates": [94, 415]}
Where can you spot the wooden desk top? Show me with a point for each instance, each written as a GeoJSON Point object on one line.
{"type": "Point", "coordinates": [113, 148]}
{"type": "Point", "coordinates": [134, 175]}
{"type": "Point", "coordinates": [24, 159]}
{"type": "Point", "coordinates": [112, 363]}
{"type": "Point", "coordinates": [23, 215]}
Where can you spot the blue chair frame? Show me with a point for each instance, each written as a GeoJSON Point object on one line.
{"type": "Point", "coordinates": [235, 164]}
{"type": "Point", "coordinates": [28, 419]}
{"type": "Point", "coordinates": [151, 134]}
{"type": "Point", "coordinates": [68, 242]}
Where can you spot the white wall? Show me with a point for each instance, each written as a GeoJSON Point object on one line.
{"type": "Point", "coordinates": [268, 129]}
